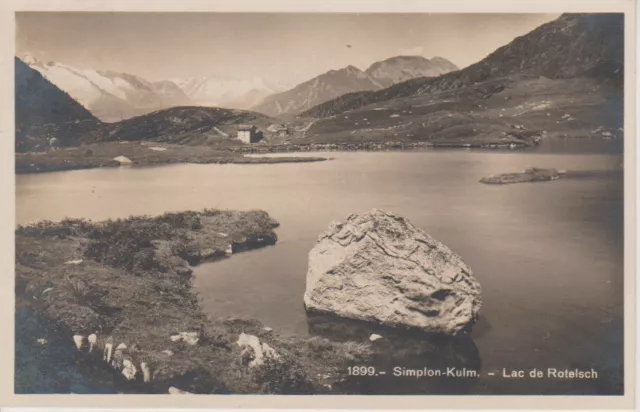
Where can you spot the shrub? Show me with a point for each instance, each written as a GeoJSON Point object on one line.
{"type": "Point", "coordinates": [184, 220]}
{"type": "Point", "coordinates": [45, 228]}
{"type": "Point", "coordinates": [283, 375]}
{"type": "Point", "coordinates": [145, 260]}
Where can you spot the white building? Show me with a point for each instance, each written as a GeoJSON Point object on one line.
{"type": "Point", "coordinates": [248, 133]}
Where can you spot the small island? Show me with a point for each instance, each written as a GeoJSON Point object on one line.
{"type": "Point", "coordinates": [532, 174]}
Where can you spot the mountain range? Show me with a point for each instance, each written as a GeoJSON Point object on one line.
{"type": "Point", "coordinates": [110, 96]}
{"type": "Point", "coordinates": [571, 45]}
{"type": "Point", "coordinates": [563, 79]}
{"type": "Point", "coordinates": [229, 93]}
{"type": "Point", "coordinates": [336, 83]}
{"type": "Point", "coordinates": [113, 96]}
{"type": "Point", "coordinates": [44, 111]}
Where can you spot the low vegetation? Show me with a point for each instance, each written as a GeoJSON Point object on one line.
{"type": "Point", "coordinates": [129, 281]}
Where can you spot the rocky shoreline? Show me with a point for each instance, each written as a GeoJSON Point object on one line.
{"type": "Point", "coordinates": [136, 154]}
{"type": "Point", "coordinates": [368, 146]}
{"type": "Point", "coordinates": [119, 294]}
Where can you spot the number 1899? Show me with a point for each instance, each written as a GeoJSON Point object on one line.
{"type": "Point", "coordinates": [361, 370]}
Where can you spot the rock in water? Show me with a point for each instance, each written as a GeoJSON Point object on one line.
{"type": "Point", "coordinates": [379, 267]}
{"type": "Point", "coordinates": [123, 160]}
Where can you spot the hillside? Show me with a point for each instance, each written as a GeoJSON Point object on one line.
{"type": "Point", "coordinates": [572, 45]}
{"type": "Point", "coordinates": [109, 95]}
{"type": "Point", "coordinates": [40, 104]}
{"type": "Point", "coordinates": [563, 79]}
{"type": "Point", "coordinates": [401, 68]}
{"type": "Point", "coordinates": [183, 125]}
{"type": "Point", "coordinates": [44, 111]}
{"type": "Point", "coordinates": [350, 79]}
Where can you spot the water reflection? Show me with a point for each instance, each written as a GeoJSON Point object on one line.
{"type": "Point", "coordinates": [448, 365]}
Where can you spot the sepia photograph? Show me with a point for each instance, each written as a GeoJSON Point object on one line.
{"type": "Point", "coordinates": [313, 203]}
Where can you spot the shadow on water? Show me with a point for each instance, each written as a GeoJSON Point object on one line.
{"type": "Point", "coordinates": [405, 361]}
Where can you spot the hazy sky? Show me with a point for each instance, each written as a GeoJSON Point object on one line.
{"type": "Point", "coordinates": [284, 47]}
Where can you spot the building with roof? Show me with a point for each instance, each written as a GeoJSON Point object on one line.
{"type": "Point", "coordinates": [282, 131]}
{"type": "Point", "coordinates": [248, 133]}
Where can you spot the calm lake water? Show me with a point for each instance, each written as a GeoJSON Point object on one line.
{"type": "Point", "coordinates": [549, 256]}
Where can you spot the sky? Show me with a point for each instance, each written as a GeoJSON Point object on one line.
{"type": "Point", "coordinates": [284, 48]}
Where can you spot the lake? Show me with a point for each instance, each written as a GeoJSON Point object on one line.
{"type": "Point", "coordinates": [549, 256]}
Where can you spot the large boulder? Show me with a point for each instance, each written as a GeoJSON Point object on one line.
{"type": "Point", "coordinates": [379, 267]}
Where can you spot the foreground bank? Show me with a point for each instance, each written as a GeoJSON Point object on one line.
{"type": "Point", "coordinates": [118, 295]}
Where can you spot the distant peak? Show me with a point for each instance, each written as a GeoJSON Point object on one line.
{"type": "Point", "coordinates": [407, 57]}
{"type": "Point", "coordinates": [352, 68]}
{"type": "Point", "coordinates": [30, 59]}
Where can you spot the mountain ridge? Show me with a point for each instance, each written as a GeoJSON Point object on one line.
{"type": "Point", "coordinates": [516, 58]}
{"type": "Point", "coordinates": [337, 82]}
{"type": "Point", "coordinates": [400, 68]}
{"type": "Point", "coordinates": [224, 92]}
{"type": "Point", "coordinates": [108, 94]}
{"type": "Point", "coordinates": [38, 102]}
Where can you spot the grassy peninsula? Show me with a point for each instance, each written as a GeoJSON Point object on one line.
{"type": "Point", "coordinates": [117, 294]}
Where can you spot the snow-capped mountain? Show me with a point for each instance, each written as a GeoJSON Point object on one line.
{"type": "Point", "coordinates": [109, 95]}
{"type": "Point", "coordinates": [228, 93]}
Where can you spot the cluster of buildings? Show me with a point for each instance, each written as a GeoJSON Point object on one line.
{"type": "Point", "coordinates": [249, 133]}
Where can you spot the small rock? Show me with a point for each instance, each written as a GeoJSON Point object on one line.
{"type": "Point", "coordinates": [78, 340]}
{"type": "Point", "coordinates": [129, 369]}
{"type": "Point", "coordinates": [108, 349]}
{"type": "Point", "coordinates": [73, 262]}
{"type": "Point", "coordinates": [175, 391]}
{"type": "Point", "coordinates": [168, 352]}
{"type": "Point", "coordinates": [190, 338]}
{"type": "Point", "coordinates": [260, 350]}
{"type": "Point", "coordinates": [267, 329]}
{"type": "Point", "coordinates": [374, 337]}
{"type": "Point", "coordinates": [123, 160]}
{"type": "Point", "coordinates": [92, 339]}
{"type": "Point", "coordinates": [118, 356]}
{"type": "Point", "coordinates": [146, 372]}
{"type": "Point", "coordinates": [42, 341]}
